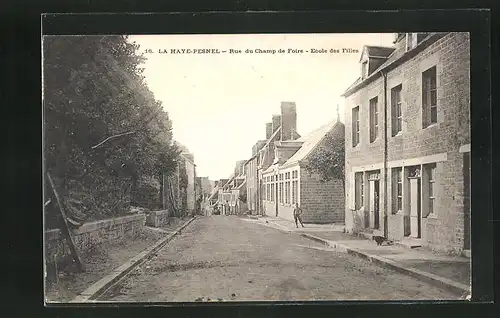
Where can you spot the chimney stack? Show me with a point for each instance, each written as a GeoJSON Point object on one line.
{"type": "Point", "coordinates": [269, 130]}
{"type": "Point", "coordinates": [276, 122]}
{"type": "Point", "coordinates": [288, 120]}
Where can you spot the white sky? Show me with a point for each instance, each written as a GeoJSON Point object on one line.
{"type": "Point", "coordinates": [219, 103]}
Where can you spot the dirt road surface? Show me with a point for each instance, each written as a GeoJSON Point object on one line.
{"type": "Point", "coordinates": [224, 258]}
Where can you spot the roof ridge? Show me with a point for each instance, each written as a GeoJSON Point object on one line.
{"type": "Point", "coordinates": [330, 125]}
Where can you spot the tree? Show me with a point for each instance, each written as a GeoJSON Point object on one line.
{"type": "Point", "coordinates": [93, 89]}
{"type": "Point", "coordinates": [328, 161]}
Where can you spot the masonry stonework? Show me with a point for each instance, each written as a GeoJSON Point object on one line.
{"type": "Point", "coordinates": [322, 202]}
{"type": "Point", "coordinates": [91, 234]}
{"type": "Point", "coordinates": [444, 230]}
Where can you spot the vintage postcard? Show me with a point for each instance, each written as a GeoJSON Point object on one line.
{"type": "Point", "coordinates": [256, 167]}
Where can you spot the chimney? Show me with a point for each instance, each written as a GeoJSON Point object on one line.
{"type": "Point", "coordinates": [269, 130]}
{"type": "Point", "coordinates": [276, 122]}
{"type": "Point", "coordinates": [288, 120]}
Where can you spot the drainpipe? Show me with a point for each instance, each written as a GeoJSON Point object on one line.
{"type": "Point", "coordinates": [386, 234]}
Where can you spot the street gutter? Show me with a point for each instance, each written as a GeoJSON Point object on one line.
{"type": "Point", "coordinates": [100, 287]}
{"type": "Point", "coordinates": [430, 278]}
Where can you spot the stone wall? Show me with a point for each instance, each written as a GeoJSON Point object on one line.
{"type": "Point", "coordinates": [91, 234]}
{"type": "Point", "coordinates": [157, 218]}
{"type": "Point", "coordinates": [450, 54]}
{"type": "Point", "coordinates": [322, 202]}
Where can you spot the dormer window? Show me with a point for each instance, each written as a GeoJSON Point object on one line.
{"type": "Point", "coordinates": [398, 37]}
{"type": "Point", "coordinates": [413, 39]}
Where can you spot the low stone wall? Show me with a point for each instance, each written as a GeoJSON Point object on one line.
{"type": "Point", "coordinates": [157, 218]}
{"type": "Point", "coordinates": [91, 234]}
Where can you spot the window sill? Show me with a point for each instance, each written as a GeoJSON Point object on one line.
{"type": "Point", "coordinates": [430, 126]}
{"type": "Point", "coordinates": [400, 133]}
{"type": "Point", "coordinates": [431, 216]}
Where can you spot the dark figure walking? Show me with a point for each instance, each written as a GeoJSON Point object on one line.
{"type": "Point", "coordinates": [297, 212]}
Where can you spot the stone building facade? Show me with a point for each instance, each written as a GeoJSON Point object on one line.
{"type": "Point", "coordinates": [407, 142]}
{"type": "Point", "coordinates": [287, 181]}
{"type": "Point", "coordinates": [191, 183]}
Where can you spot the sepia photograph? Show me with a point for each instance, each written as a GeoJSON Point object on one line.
{"type": "Point", "coordinates": [186, 168]}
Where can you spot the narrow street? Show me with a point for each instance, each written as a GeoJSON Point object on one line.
{"type": "Point", "coordinates": [227, 259]}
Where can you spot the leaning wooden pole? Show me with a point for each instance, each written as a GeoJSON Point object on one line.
{"type": "Point", "coordinates": [65, 229]}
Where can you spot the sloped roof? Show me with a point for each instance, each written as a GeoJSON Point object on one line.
{"type": "Point", "coordinates": [271, 138]}
{"type": "Point", "coordinates": [396, 55]}
{"type": "Point", "coordinates": [229, 180]}
{"type": "Point", "coordinates": [242, 184]}
{"type": "Point", "coordinates": [251, 158]}
{"type": "Point", "coordinates": [378, 51]}
{"type": "Point", "coordinates": [270, 168]}
{"type": "Point", "coordinates": [310, 142]}
{"type": "Point", "coordinates": [214, 192]}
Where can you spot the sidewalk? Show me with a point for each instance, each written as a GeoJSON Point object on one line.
{"type": "Point", "coordinates": [451, 272]}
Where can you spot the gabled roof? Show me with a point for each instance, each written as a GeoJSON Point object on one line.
{"type": "Point", "coordinates": [229, 181]}
{"type": "Point", "coordinates": [310, 143]}
{"type": "Point", "coordinates": [377, 51]}
{"type": "Point", "coordinates": [397, 57]}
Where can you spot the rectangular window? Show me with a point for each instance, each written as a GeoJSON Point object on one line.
{"type": "Point", "coordinates": [281, 192]}
{"type": "Point", "coordinates": [364, 69]}
{"type": "Point", "coordinates": [355, 126]}
{"type": "Point", "coordinates": [397, 189]}
{"type": "Point", "coordinates": [431, 175]}
{"type": "Point", "coordinates": [429, 97]}
{"type": "Point", "coordinates": [359, 190]}
{"type": "Point", "coordinates": [373, 119]}
{"type": "Point", "coordinates": [396, 110]}
{"type": "Point", "coordinates": [273, 192]}
{"type": "Point", "coordinates": [288, 192]}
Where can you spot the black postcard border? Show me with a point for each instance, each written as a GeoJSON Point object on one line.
{"type": "Point", "coordinates": [477, 22]}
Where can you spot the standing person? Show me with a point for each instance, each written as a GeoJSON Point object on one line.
{"type": "Point", "coordinates": [297, 212]}
{"type": "Point", "coordinates": [227, 208]}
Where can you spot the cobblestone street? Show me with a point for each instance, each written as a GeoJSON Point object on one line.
{"type": "Point", "coordinates": [222, 258]}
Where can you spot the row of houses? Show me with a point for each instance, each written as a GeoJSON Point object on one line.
{"type": "Point", "coordinates": [273, 179]}
{"type": "Point", "coordinates": [407, 150]}
{"type": "Point", "coordinates": [184, 193]}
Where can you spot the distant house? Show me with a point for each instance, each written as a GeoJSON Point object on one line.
{"type": "Point", "coordinates": [283, 127]}
{"type": "Point", "coordinates": [179, 190]}
{"type": "Point", "coordinates": [233, 189]}
{"type": "Point", "coordinates": [287, 182]}
{"type": "Point", "coordinates": [252, 176]}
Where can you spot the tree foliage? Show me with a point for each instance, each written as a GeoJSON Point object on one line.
{"type": "Point", "coordinates": [93, 88]}
{"type": "Point", "coordinates": [328, 161]}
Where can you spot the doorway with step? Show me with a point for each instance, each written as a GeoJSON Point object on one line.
{"type": "Point", "coordinates": [414, 213]}
{"type": "Point", "coordinates": [374, 199]}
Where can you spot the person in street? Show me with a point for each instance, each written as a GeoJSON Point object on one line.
{"type": "Point", "coordinates": [227, 208]}
{"type": "Point", "coordinates": [297, 213]}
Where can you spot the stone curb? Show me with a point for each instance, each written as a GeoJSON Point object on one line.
{"type": "Point", "coordinates": [424, 276]}
{"type": "Point", "coordinates": [100, 287]}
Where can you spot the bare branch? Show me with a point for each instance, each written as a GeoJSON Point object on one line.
{"type": "Point", "coordinates": [113, 137]}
